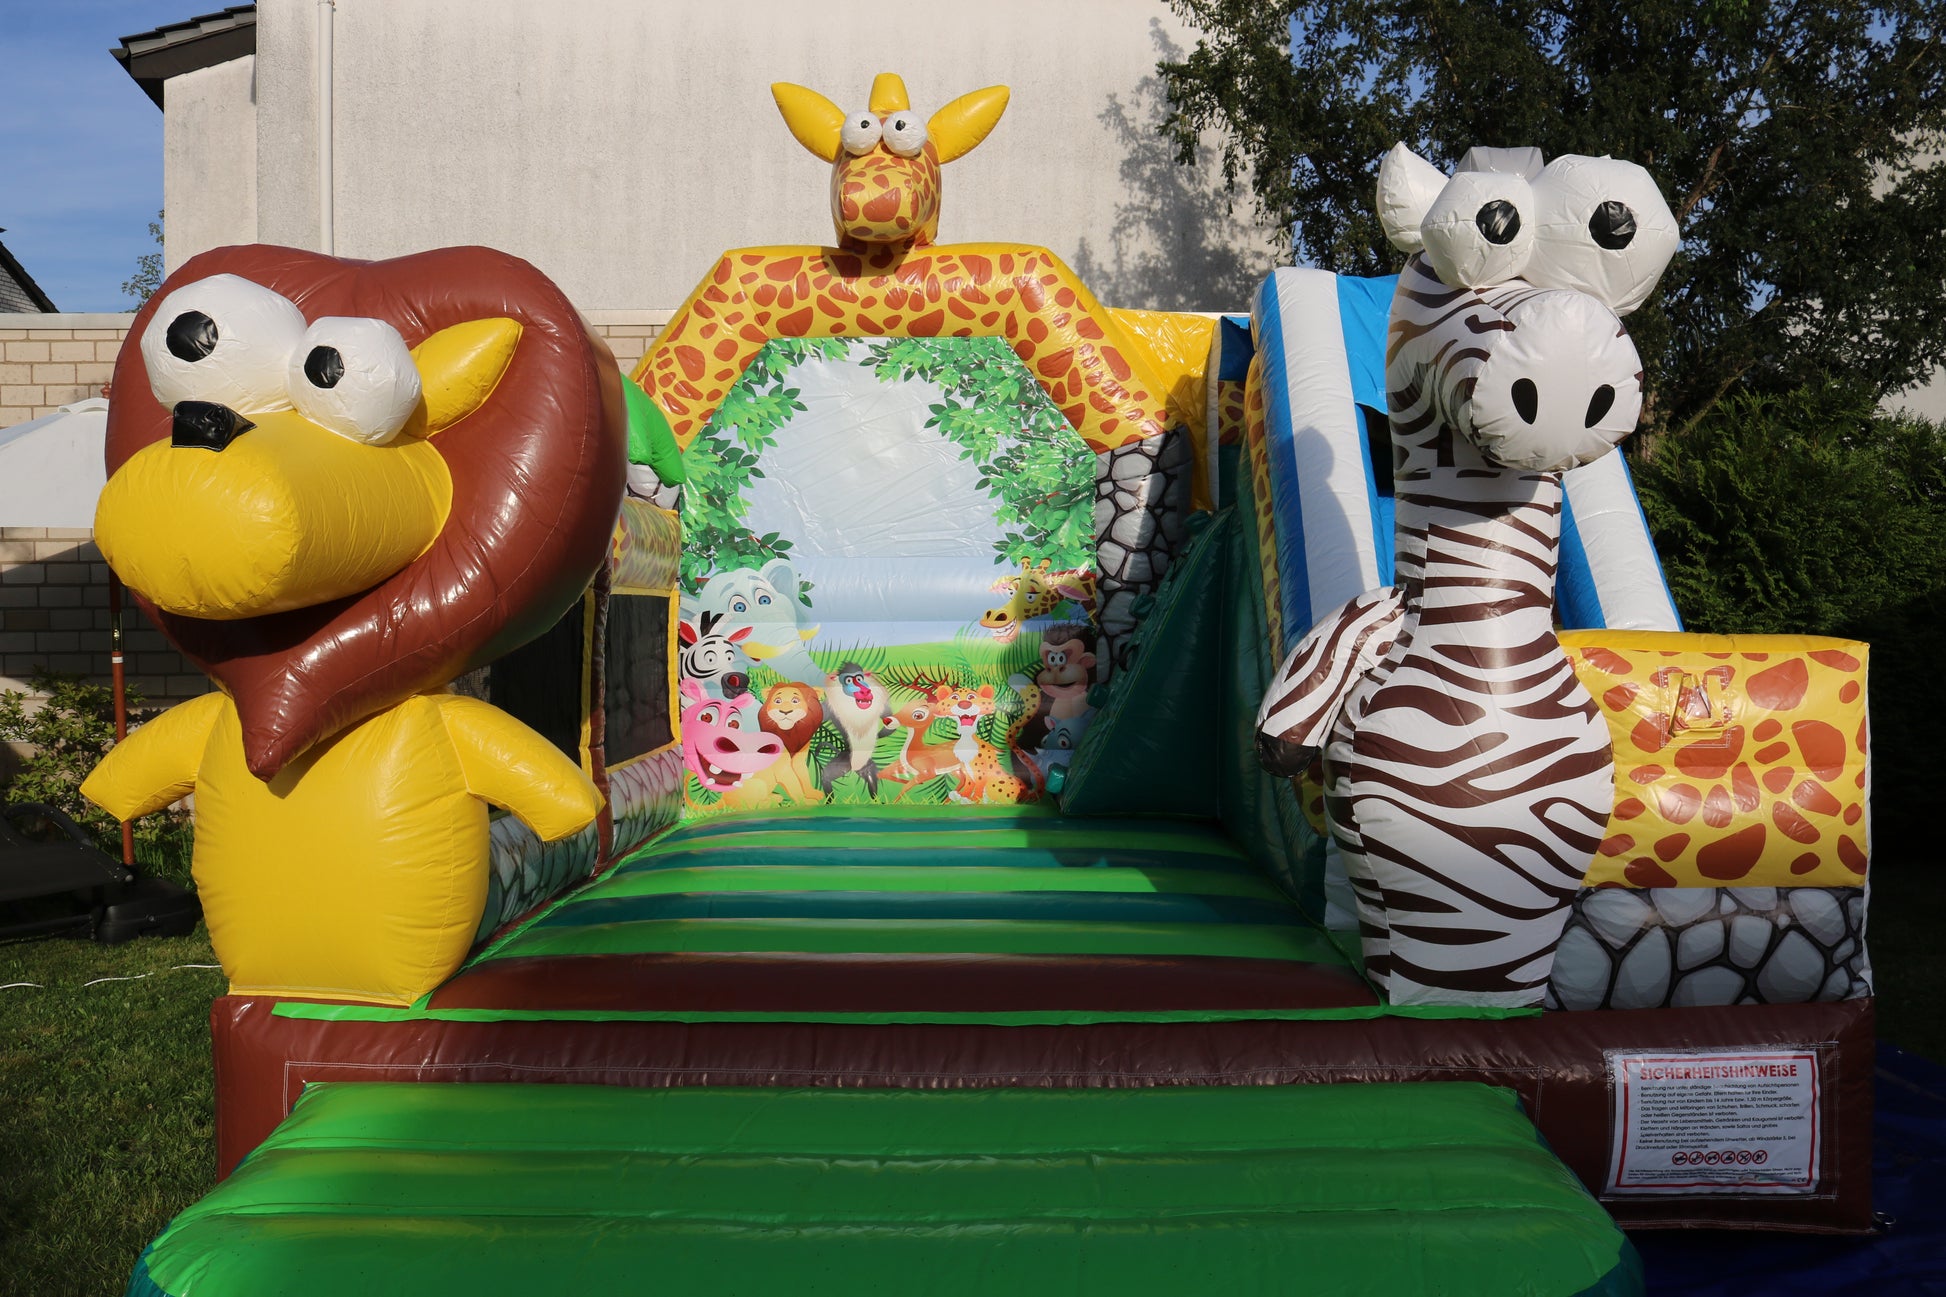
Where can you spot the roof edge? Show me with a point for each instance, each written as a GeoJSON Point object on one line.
{"type": "Point", "coordinates": [26, 282]}
{"type": "Point", "coordinates": [150, 58]}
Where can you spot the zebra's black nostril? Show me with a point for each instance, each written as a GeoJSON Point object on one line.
{"type": "Point", "coordinates": [1599, 404]}
{"type": "Point", "coordinates": [1527, 399]}
{"type": "Point", "coordinates": [206, 425]}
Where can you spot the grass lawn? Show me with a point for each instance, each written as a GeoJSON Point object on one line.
{"type": "Point", "coordinates": [106, 1113]}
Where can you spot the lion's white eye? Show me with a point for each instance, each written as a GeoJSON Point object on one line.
{"type": "Point", "coordinates": [224, 340]}
{"type": "Point", "coordinates": [905, 133]}
{"type": "Point", "coordinates": [861, 133]}
{"type": "Point", "coordinates": [355, 377]}
{"type": "Point", "coordinates": [1603, 228]}
{"type": "Point", "coordinates": [1480, 229]}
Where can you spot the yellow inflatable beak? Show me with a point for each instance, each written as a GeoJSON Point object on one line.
{"type": "Point", "coordinates": [289, 514]}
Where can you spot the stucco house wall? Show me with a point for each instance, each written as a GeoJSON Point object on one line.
{"type": "Point", "coordinates": [620, 145]}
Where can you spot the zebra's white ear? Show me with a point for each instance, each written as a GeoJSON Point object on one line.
{"type": "Point", "coordinates": [1407, 184]}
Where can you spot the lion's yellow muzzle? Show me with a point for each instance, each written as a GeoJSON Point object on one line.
{"type": "Point", "coordinates": [286, 515]}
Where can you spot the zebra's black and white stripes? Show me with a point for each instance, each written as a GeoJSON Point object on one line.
{"type": "Point", "coordinates": [1468, 775]}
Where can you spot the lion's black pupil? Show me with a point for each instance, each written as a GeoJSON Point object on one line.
{"type": "Point", "coordinates": [192, 335]}
{"type": "Point", "coordinates": [1499, 221]}
{"type": "Point", "coordinates": [1613, 225]}
{"type": "Point", "coordinates": [324, 367]}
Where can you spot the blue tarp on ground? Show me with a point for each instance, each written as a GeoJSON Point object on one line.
{"type": "Point", "coordinates": [1907, 1259]}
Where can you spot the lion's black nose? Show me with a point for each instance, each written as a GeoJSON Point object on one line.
{"type": "Point", "coordinates": [207, 424]}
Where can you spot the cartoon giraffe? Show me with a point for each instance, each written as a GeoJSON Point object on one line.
{"type": "Point", "coordinates": [1035, 592]}
{"type": "Point", "coordinates": [886, 277]}
{"type": "Point", "coordinates": [1469, 775]}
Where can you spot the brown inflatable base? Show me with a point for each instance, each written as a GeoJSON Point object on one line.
{"type": "Point", "coordinates": [1555, 1062]}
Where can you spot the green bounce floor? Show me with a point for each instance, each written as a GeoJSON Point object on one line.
{"type": "Point", "coordinates": [510, 1189]}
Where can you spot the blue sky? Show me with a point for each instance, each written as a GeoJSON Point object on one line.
{"type": "Point", "coordinates": [80, 144]}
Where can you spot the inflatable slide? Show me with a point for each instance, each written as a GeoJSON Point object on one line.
{"type": "Point", "coordinates": [934, 776]}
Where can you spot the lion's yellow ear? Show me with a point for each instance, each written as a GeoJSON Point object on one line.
{"type": "Point", "coordinates": [813, 119]}
{"type": "Point", "coordinates": [459, 367]}
{"type": "Point", "coordinates": [959, 127]}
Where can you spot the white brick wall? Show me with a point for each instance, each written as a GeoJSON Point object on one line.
{"type": "Point", "coordinates": [48, 361]}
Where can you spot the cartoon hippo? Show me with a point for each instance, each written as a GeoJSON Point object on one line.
{"type": "Point", "coordinates": [721, 741]}
{"type": "Point", "coordinates": [764, 602]}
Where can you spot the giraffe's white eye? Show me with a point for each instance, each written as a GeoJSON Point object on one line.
{"type": "Point", "coordinates": [1480, 229]}
{"type": "Point", "coordinates": [355, 377]}
{"type": "Point", "coordinates": [224, 340]}
{"type": "Point", "coordinates": [1602, 228]}
{"type": "Point", "coordinates": [905, 133]}
{"type": "Point", "coordinates": [861, 133]}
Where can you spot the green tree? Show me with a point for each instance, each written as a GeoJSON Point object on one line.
{"type": "Point", "coordinates": [1004, 424]}
{"type": "Point", "coordinates": [1030, 461]}
{"type": "Point", "coordinates": [721, 463]}
{"type": "Point", "coordinates": [1813, 512]}
{"type": "Point", "coordinates": [65, 737]}
{"type": "Point", "coordinates": [1802, 147]}
{"type": "Point", "coordinates": [148, 268]}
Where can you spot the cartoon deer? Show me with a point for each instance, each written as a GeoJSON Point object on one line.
{"type": "Point", "coordinates": [918, 760]}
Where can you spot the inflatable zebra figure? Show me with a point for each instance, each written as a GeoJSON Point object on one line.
{"type": "Point", "coordinates": [1468, 776]}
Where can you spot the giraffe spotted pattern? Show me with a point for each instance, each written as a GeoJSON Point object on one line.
{"type": "Point", "coordinates": [1025, 295]}
{"type": "Point", "coordinates": [1741, 760]}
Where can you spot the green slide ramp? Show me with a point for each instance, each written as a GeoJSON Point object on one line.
{"type": "Point", "coordinates": [540, 1189]}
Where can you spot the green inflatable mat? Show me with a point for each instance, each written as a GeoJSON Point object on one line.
{"type": "Point", "coordinates": [375, 1189]}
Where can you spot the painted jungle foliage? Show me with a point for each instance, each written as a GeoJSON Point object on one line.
{"type": "Point", "coordinates": [888, 579]}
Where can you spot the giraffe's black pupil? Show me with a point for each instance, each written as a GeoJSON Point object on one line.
{"type": "Point", "coordinates": [1499, 221]}
{"type": "Point", "coordinates": [192, 335]}
{"type": "Point", "coordinates": [324, 366]}
{"type": "Point", "coordinates": [1613, 225]}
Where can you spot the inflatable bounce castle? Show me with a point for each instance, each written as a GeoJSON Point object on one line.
{"type": "Point", "coordinates": [939, 781]}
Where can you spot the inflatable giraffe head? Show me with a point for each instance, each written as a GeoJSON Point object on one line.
{"type": "Point", "coordinates": [885, 157]}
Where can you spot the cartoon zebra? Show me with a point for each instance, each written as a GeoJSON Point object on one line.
{"type": "Point", "coordinates": [1468, 776]}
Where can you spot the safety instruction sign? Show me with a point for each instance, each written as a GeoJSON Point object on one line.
{"type": "Point", "coordinates": [1744, 1122]}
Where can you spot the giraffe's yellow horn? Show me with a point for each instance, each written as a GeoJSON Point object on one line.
{"type": "Point", "coordinates": [888, 94]}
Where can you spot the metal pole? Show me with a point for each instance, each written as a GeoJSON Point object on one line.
{"type": "Point", "coordinates": [121, 694]}
{"type": "Point", "coordinates": [327, 211]}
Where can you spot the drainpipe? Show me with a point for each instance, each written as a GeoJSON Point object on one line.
{"type": "Point", "coordinates": [327, 216]}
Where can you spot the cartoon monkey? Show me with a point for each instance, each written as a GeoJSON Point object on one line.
{"type": "Point", "coordinates": [856, 701]}
{"type": "Point", "coordinates": [1067, 660]}
{"type": "Point", "coordinates": [793, 713]}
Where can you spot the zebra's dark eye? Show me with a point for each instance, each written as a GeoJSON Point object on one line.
{"type": "Point", "coordinates": [1612, 225]}
{"type": "Point", "coordinates": [1499, 221]}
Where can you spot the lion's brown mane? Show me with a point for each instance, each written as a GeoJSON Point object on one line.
{"type": "Point", "coordinates": [796, 736]}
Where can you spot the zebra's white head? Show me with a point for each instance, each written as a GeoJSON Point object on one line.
{"type": "Point", "coordinates": [1537, 370]}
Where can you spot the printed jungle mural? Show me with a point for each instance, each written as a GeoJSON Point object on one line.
{"type": "Point", "coordinates": [888, 579]}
